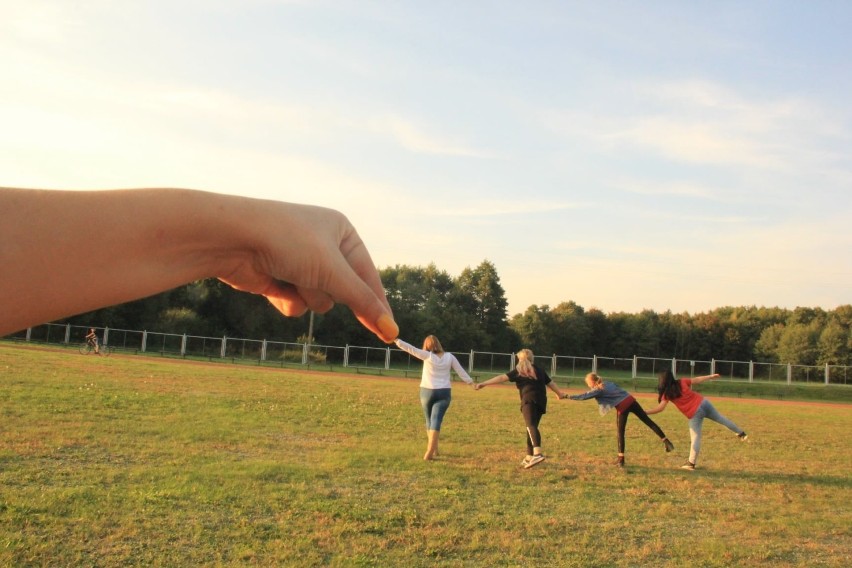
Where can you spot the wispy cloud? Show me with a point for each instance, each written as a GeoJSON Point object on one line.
{"type": "Point", "coordinates": [520, 209]}
{"type": "Point", "coordinates": [417, 138]}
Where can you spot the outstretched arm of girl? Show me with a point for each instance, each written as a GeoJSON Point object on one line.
{"type": "Point", "coordinates": [699, 380]}
{"type": "Point", "coordinates": [553, 386]}
{"type": "Point", "coordinates": [660, 407]}
{"type": "Point", "coordinates": [492, 381]}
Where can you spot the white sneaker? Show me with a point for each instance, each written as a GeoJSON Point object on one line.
{"type": "Point", "coordinates": [535, 460]}
{"type": "Point", "coordinates": [526, 460]}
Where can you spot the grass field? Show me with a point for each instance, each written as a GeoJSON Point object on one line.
{"type": "Point", "coordinates": [130, 461]}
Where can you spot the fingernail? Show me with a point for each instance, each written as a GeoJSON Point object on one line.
{"type": "Point", "coordinates": [388, 327]}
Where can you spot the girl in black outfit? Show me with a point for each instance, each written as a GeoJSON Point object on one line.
{"type": "Point", "coordinates": [532, 383]}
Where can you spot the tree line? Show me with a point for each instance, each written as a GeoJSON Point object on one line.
{"type": "Point", "coordinates": [469, 311]}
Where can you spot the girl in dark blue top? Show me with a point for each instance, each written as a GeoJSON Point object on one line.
{"type": "Point", "coordinates": [609, 396]}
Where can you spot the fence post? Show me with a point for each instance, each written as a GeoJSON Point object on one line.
{"type": "Point", "coordinates": [183, 346]}
{"type": "Point", "coordinates": [29, 333]}
{"type": "Point", "coordinates": [674, 366]}
{"type": "Point", "coordinates": [553, 365]}
{"type": "Point", "coordinates": [789, 374]}
{"type": "Point", "coordinates": [713, 366]}
{"type": "Point", "coordinates": [594, 363]}
{"type": "Point", "coordinates": [751, 371]}
{"type": "Point", "coordinates": [304, 352]}
{"type": "Point", "coordinates": [263, 351]}
{"type": "Point", "coordinates": [67, 333]}
{"type": "Point", "coordinates": [106, 335]}
{"type": "Point", "coordinates": [827, 374]}
{"type": "Point", "coordinates": [144, 340]}
{"type": "Point", "coordinates": [387, 358]}
{"type": "Point", "coordinates": [635, 372]}
{"type": "Point", "coordinates": [224, 343]}
{"type": "Point", "coordinates": [346, 356]}
{"type": "Point", "coordinates": [470, 363]}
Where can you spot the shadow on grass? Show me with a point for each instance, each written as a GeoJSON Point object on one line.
{"type": "Point", "coordinates": [728, 475]}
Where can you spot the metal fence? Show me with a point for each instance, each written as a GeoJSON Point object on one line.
{"type": "Point", "coordinates": [263, 352]}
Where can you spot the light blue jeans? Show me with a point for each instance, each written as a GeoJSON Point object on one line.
{"type": "Point", "coordinates": [435, 403]}
{"type": "Point", "coordinates": [706, 410]}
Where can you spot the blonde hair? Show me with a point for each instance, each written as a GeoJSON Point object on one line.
{"type": "Point", "coordinates": [596, 379]}
{"type": "Point", "coordinates": [525, 364]}
{"type": "Point", "coordinates": [432, 344]}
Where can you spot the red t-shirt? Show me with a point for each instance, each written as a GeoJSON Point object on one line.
{"type": "Point", "coordinates": [689, 400]}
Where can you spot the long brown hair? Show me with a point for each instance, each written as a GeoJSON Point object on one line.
{"type": "Point", "coordinates": [432, 344]}
{"type": "Point", "coordinates": [667, 385]}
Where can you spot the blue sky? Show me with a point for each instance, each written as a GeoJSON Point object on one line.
{"type": "Point", "coordinates": [624, 155]}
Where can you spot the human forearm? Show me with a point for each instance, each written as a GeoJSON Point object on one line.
{"type": "Point", "coordinates": [492, 381]}
{"type": "Point", "coordinates": [73, 251]}
{"type": "Point", "coordinates": [102, 248]}
{"type": "Point", "coordinates": [699, 380]}
{"type": "Point", "coordinates": [552, 386]}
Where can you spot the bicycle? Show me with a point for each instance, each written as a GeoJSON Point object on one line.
{"type": "Point", "coordinates": [86, 348]}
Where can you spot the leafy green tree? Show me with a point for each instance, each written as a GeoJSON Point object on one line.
{"type": "Point", "coordinates": [833, 345]}
{"type": "Point", "coordinates": [798, 344]}
{"type": "Point", "coordinates": [484, 297]}
{"type": "Point", "coordinates": [572, 332]}
{"type": "Point", "coordinates": [535, 329]}
{"type": "Point", "coordinates": [766, 348]}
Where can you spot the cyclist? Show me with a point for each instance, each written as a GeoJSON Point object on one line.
{"type": "Point", "coordinates": [92, 339]}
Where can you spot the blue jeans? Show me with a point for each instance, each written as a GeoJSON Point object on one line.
{"type": "Point", "coordinates": [435, 403]}
{"type": "Point", "coordinates": [706, 410]}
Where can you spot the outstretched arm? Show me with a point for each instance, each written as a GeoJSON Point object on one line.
{"type": "Point", "coordinates": [699, 380]}
{"type": "Point", "coordinates": [492, 381]}
{"type": "Point", "coordinates": [411, 350]}
{"type": "Point", "coordinates": [660, 407]}
{"type": "Point", "coordinates": [135, 243]}
{"type": "Point", "coordinates": [594, 393]}
{"type": "Point", "coordinates": [460, 370]}
{"type": "Point", "coordinates": [555, 388]}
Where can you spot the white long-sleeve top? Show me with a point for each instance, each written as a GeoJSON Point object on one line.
{"type": "Point", "coordinates": [436, 368]}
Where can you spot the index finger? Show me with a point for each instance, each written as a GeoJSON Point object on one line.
{"type": "Point", "coordinates": [355, 282]}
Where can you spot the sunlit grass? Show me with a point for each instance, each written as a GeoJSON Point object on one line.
{"type": "Point", "coordinates": [132, 461]}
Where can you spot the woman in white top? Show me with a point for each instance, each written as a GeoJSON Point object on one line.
{"type": "Point", "coordinates": [435, 392]}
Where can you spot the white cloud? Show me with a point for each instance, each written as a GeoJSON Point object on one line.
{"type": "Point", "coordinates": [417, 138]}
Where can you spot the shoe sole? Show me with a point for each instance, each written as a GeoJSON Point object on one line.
{"type": "Point", "coordinates": [533, 463]}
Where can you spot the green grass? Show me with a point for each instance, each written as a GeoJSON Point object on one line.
{"type": "Point", "coordinates": [134, 461]}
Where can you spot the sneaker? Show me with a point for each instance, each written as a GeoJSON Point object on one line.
{"type": "Point", "coordinates": [526, 460]}
{"type": "Point", "coordinates": [669, 445]}
{"type": "Point", "coordinates": [535, 460]}
{"type": "Point", "coordinates": [742, 436]}
{"type": "Point", "coordinates": [688, 465]}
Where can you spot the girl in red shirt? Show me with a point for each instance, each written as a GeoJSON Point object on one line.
{"type": "Point", "coordinates": [694, 406]}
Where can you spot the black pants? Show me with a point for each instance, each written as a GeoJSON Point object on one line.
{"type": "Point", "coordinates": [532, 417]}
{"type": "Point", "coordinates": [621, 423]}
